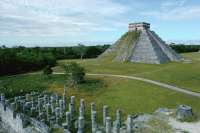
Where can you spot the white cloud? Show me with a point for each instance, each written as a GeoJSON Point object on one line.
{"type": "Point", "coordinates": [57, 17]}
{"type": "Point", "coordinates": [173, 3]}
{"type": "Point", "coordinates": [175, 10]}
{"type": "Point", "coordinates": [184, 13]}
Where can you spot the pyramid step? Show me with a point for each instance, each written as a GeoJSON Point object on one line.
{"type": "Point", "coordinates": [168, 51]}
{"type": "Point", "coordinates": [147, 48]}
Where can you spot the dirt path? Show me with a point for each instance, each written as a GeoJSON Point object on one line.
{"type": "Point", "coordinates": [167, 86]}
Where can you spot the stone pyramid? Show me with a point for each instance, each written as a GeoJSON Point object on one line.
{"type": "Point", "coordinates": [140, 44]}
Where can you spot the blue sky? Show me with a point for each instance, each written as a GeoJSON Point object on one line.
{"type": "Point", "coordinates": [66, 22]}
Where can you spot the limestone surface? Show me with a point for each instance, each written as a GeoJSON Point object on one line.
{"type": "Point", "coordinates": [140, 44]}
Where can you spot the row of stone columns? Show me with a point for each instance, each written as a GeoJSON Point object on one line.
{"type": "Point", "coordinates": [60, 111]}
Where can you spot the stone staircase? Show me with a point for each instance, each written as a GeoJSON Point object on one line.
{"type": "Point", "coordinates": [147, 51]}
{"type": "Point", "coordinates": [165, 48]}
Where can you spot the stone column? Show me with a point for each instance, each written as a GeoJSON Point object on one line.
{"type": "Point", "coordinates": [3, 98]}
{"type": "Point", "coordinates": [52, 100]}
{"type": "Point", "coordinates": [68, 119]}
{"type": "Point", "coordinates": [39, 106]}
{"type": "Point", "coordinates": [105, 114]}
{"type": "Point", "coordinates": [13, 106]}
{"type": "Point", "coordinates": [52, 109]}
{"type": "Point", "coordinates": [27, 97]}
{"type": "Point", "coordinates": [82, 108]}
{"type": "Point", "coordinates": [82, 103]}
{"type": "Point", "coordinates": [81, 124]}
{"type": "Point", "coordinates": [65, 97]}
{"type": "Point", "coordinates": [61, 107]}
{"type": "Point", "coordinates": [93, 107]}
{"type": "Point", "coordinates": [116, 128]}
{"type": "Point", "coordinates": [57, 113]}
{"type": "Point", "coordinates": [93, 119]}
{"type": "Point", "coordinates": [61, 113]}
{"type": "Point", "coordinates": [57, 98]}
{"type": "Point", "coordinates": [48, 111]}
{"type": "Point", "coordinates": [16, 99]}
{"type": "Point", "coordinates": [45, 99]}
{"type": "Point", "coordinates": [117, 123]}
{"type": "Point", "coordinates": [108, 125]}
{"type": "Point", "coordinates": [118, 117]}
{"type": "Point", "coordinates": [32, 103]}
{"type": "Point", "coordinates": [64, 102]}
{"type": "Point", "coordinates": [129, 123]}
{"type": "Point", "coordinates": [33, 109]}
{"type": "Point", "coordinates": [6, 102]}
{"type": "Point", "coordinates": [0, 97]}
{"type": "Point", "coordinates": [72, 102]}
{"type": "Point", "coordinates": [71, 110]}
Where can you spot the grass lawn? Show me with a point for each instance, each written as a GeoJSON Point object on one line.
{"type": "Point", "coordinates": [21, 84]}
{"type": "Point", "coordinates": [129, 95]}
{"type": "Point", "coordinates": [183, 75]}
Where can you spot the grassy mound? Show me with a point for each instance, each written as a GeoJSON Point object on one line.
{"type": "Point", "coordinates": [122, 48]}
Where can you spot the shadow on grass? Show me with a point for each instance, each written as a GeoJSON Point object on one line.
{"type": "Point", "coordinates": [92, 84]}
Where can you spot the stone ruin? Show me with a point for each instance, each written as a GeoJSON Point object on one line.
{"type": "Point", "coordinates": [41, 112]}
{"type": "Point", "coordinates": [184, 112]}
{"type": "Point", "coordinates": [140, 44]}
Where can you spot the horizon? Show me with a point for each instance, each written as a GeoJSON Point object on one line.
{"type": "Point", "coordinates": [51, 23]}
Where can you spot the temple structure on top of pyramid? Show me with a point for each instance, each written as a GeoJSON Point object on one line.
{"type": "Point", "coordinates": [140, 44]}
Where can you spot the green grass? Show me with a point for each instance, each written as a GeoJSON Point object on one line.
{"type": "Point", "coordinates": [124, 44]}
{"type": "Point", "coordinates": [21, 84]}
{"type": "Point", "coordinates": [180, 74]}
{"type": "Point", "coordinates": [131, 96]}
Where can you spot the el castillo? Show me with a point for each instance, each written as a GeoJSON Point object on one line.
{"type": "Point", "coordinates": [109, 66]}
{"type": "Point", "coordinates": [140, 44]}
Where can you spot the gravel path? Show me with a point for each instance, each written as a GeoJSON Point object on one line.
{"type": "Point", "coordinates": [190, 127]}
{"type": "Point", "coordinates": [167, 86]}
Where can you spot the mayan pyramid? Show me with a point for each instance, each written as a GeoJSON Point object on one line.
{"type": "Point", "coordinates": [140, 44]}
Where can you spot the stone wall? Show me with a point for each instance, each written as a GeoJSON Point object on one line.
{"type": "Point", "coordinates": [39, 125]}
{"type": "Point", "coordinates": [16, 121]}
{"type": "Point", "coordinates": [7, 116]}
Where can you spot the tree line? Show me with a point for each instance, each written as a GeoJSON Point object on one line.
{"type": "Point", "coordinates": [20, 59]}
{"type": "Point", "coordinates": [181, 48]}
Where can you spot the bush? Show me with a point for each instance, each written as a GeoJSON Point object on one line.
{"type": "Point", "coordinates": [22, 60]}
{"type": "Point", "coordinates": [75, 72]}
{"type": "Point", "coordinates": [47, 70]}
{"type": "Point", "coordinates": [185, 48]}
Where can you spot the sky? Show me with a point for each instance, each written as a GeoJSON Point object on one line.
{"type": "Point", "coordinates": [68, 22]}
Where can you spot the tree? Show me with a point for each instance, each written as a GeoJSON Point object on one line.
{"type": "Point", "coordinates": [92, 52]}
{"type": "Point", "coordinates": [81, 50]}
{"type": "Point", "coordinates": [47, 71]}
{"type": "Point", "coordinates": [75, 73]}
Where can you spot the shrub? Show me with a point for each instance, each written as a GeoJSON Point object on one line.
{"type": "Point", "coordinates": [47, 70]}
{"type": "Point", "coordinates": [75, 72]}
